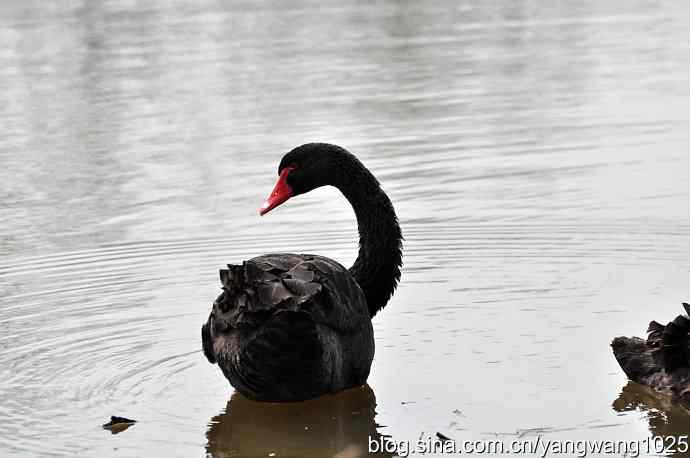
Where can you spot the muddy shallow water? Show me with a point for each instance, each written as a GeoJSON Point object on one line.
{"type": "Point", "coordinates": [537, 153]}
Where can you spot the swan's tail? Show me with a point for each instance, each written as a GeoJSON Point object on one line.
{"type": "Point", "coordinates": [635, 357]}
{"type": "Point", "coordinates": [254, 293]}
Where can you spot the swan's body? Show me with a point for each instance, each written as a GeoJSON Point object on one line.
{"type": "Point", "coordinates": [661, 362]}
{"type": "Point", "coordinates": [294, 326]}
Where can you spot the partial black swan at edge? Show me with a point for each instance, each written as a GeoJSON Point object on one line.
{"type": "Point", "coordinates": [661, 362]}
{"type": "Point", "coordinates": [290, 327]}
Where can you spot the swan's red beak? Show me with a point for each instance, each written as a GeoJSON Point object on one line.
{"type": "Point", "coordinates": [281, 192]}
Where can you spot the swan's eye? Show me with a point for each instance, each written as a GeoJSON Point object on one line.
{"type": "Point", "coordinates": [289, 167]}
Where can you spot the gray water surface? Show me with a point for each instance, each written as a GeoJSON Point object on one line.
{"type": "Point", "coordinates": [537, 153]}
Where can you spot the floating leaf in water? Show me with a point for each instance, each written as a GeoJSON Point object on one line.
{"type": "Point", "coordinates": [118, 424]}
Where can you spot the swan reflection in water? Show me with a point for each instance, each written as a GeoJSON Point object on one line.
{"type": "Point", "coordinates": [337, 425]}
{"type": "Point", "coordinates": [665, 419]}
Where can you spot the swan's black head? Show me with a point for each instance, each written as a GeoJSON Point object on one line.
{"type": "Point", "coordinates": [308, 167]}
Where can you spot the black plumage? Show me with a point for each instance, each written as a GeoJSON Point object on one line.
{"type": "Point", "coordinates": [294, 326]}
{"type": "Point", "coordinates": [662, 361]}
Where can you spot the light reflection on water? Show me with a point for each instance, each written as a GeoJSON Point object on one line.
{"type": "Point", "coordinates": [536, 152]}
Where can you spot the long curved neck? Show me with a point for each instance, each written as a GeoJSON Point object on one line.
{"type": "Point", "coordinates": [377, 267]}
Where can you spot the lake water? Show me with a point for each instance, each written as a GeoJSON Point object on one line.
{"type": "Point", "coordinates": [537, 153]}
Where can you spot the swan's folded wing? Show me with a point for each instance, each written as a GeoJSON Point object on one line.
{"type": "Point", "coordinates": [313, 284]}
{"type": "Point", "coordinates": [341, 304]}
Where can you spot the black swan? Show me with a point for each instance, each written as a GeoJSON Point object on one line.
{"type": "Point", "coordinates": [661, 362]}
{"type": "Point", "coordinates": [291, 327]}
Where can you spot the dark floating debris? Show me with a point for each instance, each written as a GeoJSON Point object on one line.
{"type": "Point", "coordinates": [443, 437]}
{"type": "Point", "coordinates": [118, 424]}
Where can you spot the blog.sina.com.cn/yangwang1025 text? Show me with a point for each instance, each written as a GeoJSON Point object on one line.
{"type": "Point", "coordinates": [537, 445]}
